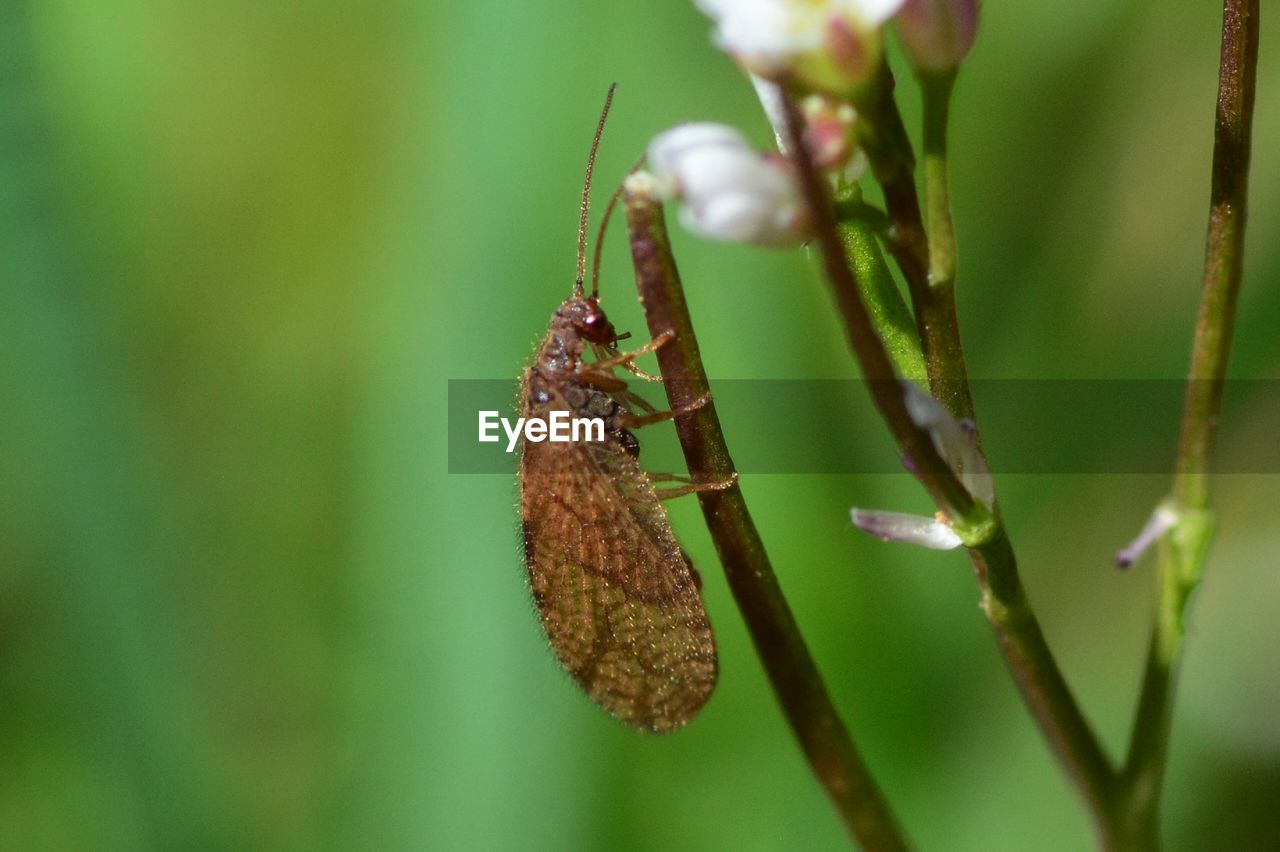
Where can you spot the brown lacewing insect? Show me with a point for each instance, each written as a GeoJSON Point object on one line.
{"type": "Point", "coordinates": [617, 596]}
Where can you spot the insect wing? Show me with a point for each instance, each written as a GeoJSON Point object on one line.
{"type": "Point", "coordinates": [614, 590]}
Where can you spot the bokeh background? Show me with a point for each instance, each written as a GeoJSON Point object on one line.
{"type": "Point", "coordinates": [244, 247]}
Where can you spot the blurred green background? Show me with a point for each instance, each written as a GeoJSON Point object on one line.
{"type": "Point", "coordinates": [243, 247]}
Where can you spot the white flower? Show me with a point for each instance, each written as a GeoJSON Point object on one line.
{"type": "Point", "coordinates": [767, 35]}
{"type": "Point", "coordinates": [771, 101]}
{"type": "Point", "coordinates": [730, 191]}
{"type": "Point", "coordinates": [871, 12]}
{"type": "Point", "coordinates": [957, 442]}
{"type": "Point", "coordinates": [829, 45]}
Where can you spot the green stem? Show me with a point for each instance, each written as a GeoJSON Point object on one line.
{"type": "Point", "coordinates": [774, 631]}
{"type": "Point", "coordinates": [889, 313]}
{"type": "Point", "coordinates": [884, 137]}
{"type": "Point", "coordinates": [937, 194]}
{"type": "Point", "coordinates": [1018, 632]}
{"type": "Point", "coordinates": [877, 368]}
{"type": "Point", "coordinates": [851, 209]}
{"type": "Point", "coordinates": [1036, 673]}
{"type": "Point", "coordinates": [1182, 553]}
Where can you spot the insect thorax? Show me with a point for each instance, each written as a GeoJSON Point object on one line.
{"type": "Point", "coordinates": [555, 374]}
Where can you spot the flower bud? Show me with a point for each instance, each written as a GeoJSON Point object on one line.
{"type": "Point", "coordinates": [937, 34]}
{"type": "Point", "coordinates": [730, 191]}
{"type": "Point", "coordinates": [955, 440]}
{"type": "Point", "coordinates": [825, 45]}
{"type": "Point", "coordinates": [1163, 519]}
{"type": "Point", "coordinates": [909, 529]}
{"type": "Point", "coordinates": [828, 129]}
{"type": "Point", "coordinates": [829, 136]}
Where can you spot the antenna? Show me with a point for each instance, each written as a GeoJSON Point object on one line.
{"type": "Point", "coordinates": [586, 194]}
{"type": "Point", "coordinates": [604, 225]}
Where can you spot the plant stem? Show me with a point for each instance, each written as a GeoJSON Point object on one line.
{"type": "Point", "coordinates": [888, 147]}
{"type": "Point", "coordinates": [1182, 553]}
{"type": "Point", "coordinates": [937, 193]}
{"type": "Point", "coordinates": [889, 313]}
{"type": "Point", "coordinates": [774, 631]}
{"type": "Point", "coordinates": [877, 369]}
{"type": "Point", "coordinates": [1004, 599]}
{"type": "Point", "coordinates": [1036, 673]}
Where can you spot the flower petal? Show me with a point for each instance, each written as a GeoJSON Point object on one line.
{"type": "Point", "coordinates": [912, 529]}
{"type": "Point", "coordinates": [956, 441]}
{"type": "Point", "coordinates": [730, 191]}
{"type": "Point", "coordinates": [1161, 521]}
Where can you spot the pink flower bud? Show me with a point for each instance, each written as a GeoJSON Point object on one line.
{"type": "Point", "coordinates": [829, 135]}
{"type": "Point", "coordinates": [828, 129]}
{"type": "Point", "coordinates": [937, 34]}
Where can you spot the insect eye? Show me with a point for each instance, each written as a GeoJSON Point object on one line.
{"type": "Point", "coordinates": [594, 325]}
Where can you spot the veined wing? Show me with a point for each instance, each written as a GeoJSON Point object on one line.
{"type": "Point", "coordinates": [615, 593]}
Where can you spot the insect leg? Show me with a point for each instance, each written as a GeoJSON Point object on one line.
{"type": "Point", "coordinates": [624, 358]}
{"type": "Point", "coordinates": [636, 371]}
{"type": "Point", "coordinates": [607, 382]}
{"type": "Point", "coordinates": [633, 421]}
{"type": "Point", "coordinates": [603, 353]}
{"type": "Point", "coordinates": [695, 487]}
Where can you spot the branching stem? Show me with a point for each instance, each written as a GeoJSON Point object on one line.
{"type": "Point", "coordinates": [884, 137]}
{"type": "Point", "coordinates": [1004, 599]}
{"type": "Point", "coordinates": [1182, 552]}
